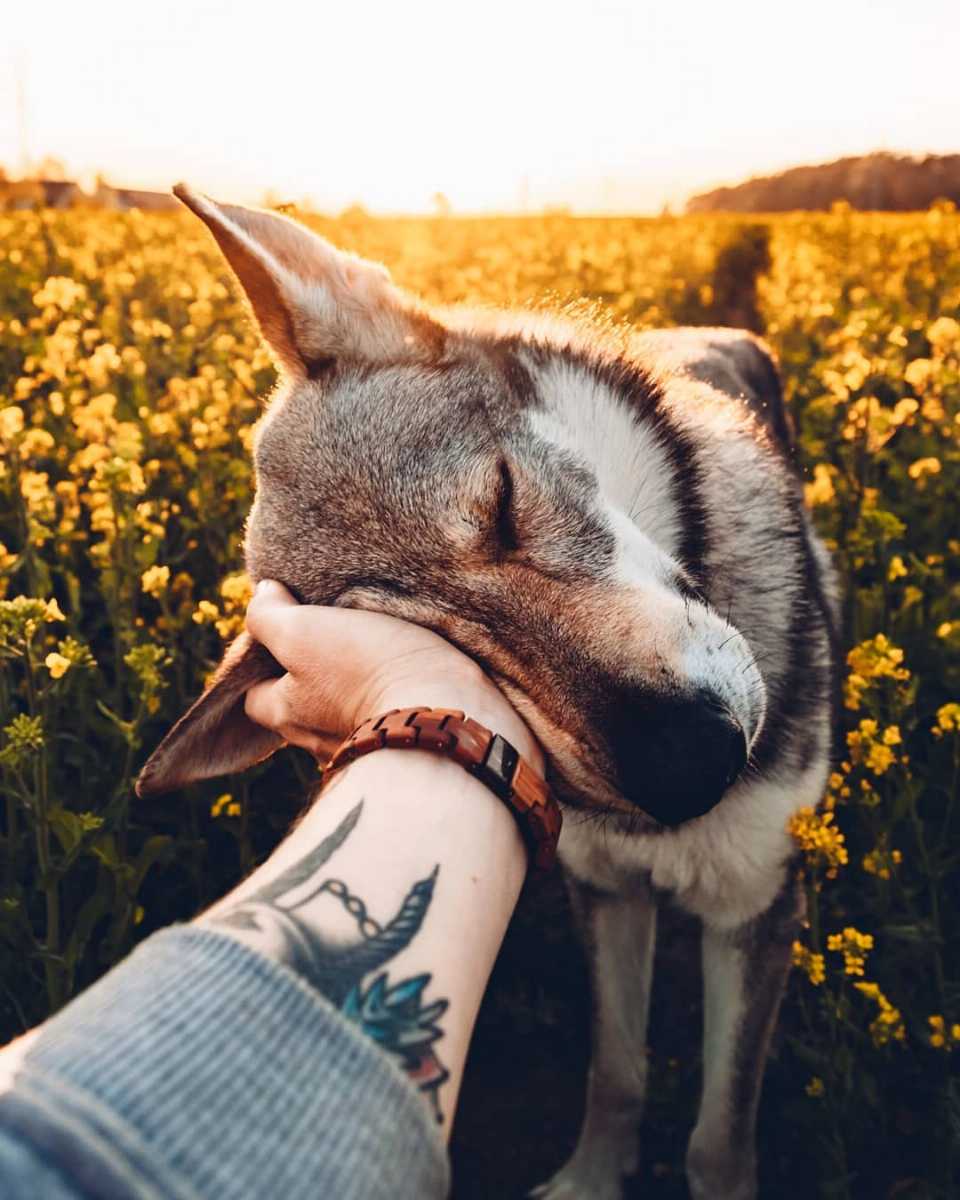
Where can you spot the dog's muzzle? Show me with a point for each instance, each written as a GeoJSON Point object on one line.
{"type": "Point", "coordinates": [676, 758]}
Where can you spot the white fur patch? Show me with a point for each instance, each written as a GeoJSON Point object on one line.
{"type": "Point", "coordinates": [726, 866]}
{"type": "Point", "coordinates": [632, 470]}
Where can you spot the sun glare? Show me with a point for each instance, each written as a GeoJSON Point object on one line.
{"type": "Point", "coordinates": [616, 105]}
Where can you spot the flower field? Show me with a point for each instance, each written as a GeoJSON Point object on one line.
{"type": "Point", "coordinates": [130, 383]}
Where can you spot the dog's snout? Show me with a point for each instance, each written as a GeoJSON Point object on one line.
{"type": "Point", "coordinates": [676, 758]}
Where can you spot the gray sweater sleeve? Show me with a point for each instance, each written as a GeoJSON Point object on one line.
{"type": "Point", "coordinates": [198, 1068]}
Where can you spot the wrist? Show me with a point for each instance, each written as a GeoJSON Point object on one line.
{"type": "Point", "coordinates": [471, 693]}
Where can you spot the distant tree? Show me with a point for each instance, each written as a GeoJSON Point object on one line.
{"type": "Point", "coordinates": [51, 167]}
{"type": "Point", "coordinates": [880, 181]}
{"type": "Point", "coordinates": [441, 205]}
{"type": "Point", "coordinates": [355, 212]}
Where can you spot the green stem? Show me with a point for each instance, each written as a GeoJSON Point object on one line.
{"type": "Point", "coordinates": [932, 880]}
{"type": "Point", "coordinates": [954, 788]}
{"type": "Point", "coordinates": [51, 888]}
{"type": "Point", "coordinates": [13, 833]}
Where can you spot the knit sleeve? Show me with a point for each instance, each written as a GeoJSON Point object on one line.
{"type": "Point", "coordinates": [198, 1068]}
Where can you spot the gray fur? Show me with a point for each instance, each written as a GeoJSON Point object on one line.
{"type": "Point", "coordinates": [609, 524]}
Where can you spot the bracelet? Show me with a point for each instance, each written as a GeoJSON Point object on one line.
{"type": "Point", "coordinates": [486, 755]}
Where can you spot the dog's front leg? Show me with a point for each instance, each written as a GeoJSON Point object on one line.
{"type": "Point", "coordinates": [745, 971]}
{"type": "Point", "coordinates": [618, 934]}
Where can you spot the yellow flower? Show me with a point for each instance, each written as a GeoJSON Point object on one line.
{"type": "Point", "coordinates": [36, 442]}
{"type": "Point", "coordinates": [888, 1024]}
{"type": "Point", "coordinates": [821, 489]}
{"type": "Point", "coordinates": [944, 333]}
{"type": "Point", "coordinates": [11, 422]}
{"type": "Point", "coordinates": [924, 466]}
{"type": "Point", "coordinates": [875, 658]}
{"type": "Point", "coordinates": [880, 861]}
{"type": "Point", "coordinates": [154, 580]}
{"type": "Point", "coordinates": [59, 292]}
{"type": "Point", "coordinates": [815, 1087]}
{"type": "Point", "coordinates": [938, 1037]}
{"type": "Point", "coordinates": [237, 589]}
{"type": "Point", "coordinates": [812, 964]}
{"type": "Point", "coordinates": [34, 487]}
{"type": "Point", "coordinates": [53, 612]}
{"type": "Point", "coordinates": [919, 372]}
{"type": "Point", "coordinates": [879, 758]}
{"type": "Point", "coordinates": [819, 838]}
{"type": "Point", "coordinates": [854, 946]}
{"type": "Point", "coordinates": [872, 748]}
{"type": "Point", "coordinates": [56, 664]}
{"type": "Point", "coordinates": [896, 569]}
{"type": "Point", "coordinates": [205, 611]}
{"type": "Point", "coordinates": [222, 805]}
{"type": "Point", "coordinates": [948, 719]}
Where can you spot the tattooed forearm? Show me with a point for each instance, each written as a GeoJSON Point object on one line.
{"type": "Point", "coordinates": [279, 920]}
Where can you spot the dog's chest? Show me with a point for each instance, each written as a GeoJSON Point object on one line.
{"type": "Point", "coordinates": [727, 867]}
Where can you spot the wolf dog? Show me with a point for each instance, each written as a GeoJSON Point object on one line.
{"type": "Point", "coordinates": [610, 523]}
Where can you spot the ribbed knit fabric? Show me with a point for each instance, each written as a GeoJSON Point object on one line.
{"type": "Point", "coordinates": [198, 1068]}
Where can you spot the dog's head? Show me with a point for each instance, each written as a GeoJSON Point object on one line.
{"type": "Point", "coordinates": [418, 465]}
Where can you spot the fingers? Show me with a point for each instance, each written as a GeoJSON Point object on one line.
{"type": "Point", "coordinates": [274, 705]}
{"type": "Point", "coordinates": [308, 638]}
{"type": "Point", "coordinates": [286, 628]}
{"type": "Point", "coordinates": [267, 704]}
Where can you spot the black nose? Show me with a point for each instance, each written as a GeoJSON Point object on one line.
{"type": "Point", "coordinates": [676, 758]}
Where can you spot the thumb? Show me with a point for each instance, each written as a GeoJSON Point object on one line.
{"type": "Point", "coordinates": [273, 704]}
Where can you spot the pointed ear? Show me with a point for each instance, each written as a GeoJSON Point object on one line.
{"type": "Point", "coordinates": [215, 736]}
{"type": "Point", "coordinates": [314, 303]}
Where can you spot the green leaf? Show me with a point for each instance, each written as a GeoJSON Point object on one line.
{"type": "Point", "coordinates": [71, 828]}
{"type": "Point", "coordinates": [920, 931]}
{"type": "Point", "coordinates": [160, 848]}
{"type": "Point", "coordinates": [93, 910]}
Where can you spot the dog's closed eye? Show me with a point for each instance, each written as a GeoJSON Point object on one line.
{"type": "Point", "coordinates": [369, 583]}
{"type": "Point", "coordinates": [505, 526]}
{"type": "Point", "coordinates": [487, 509]}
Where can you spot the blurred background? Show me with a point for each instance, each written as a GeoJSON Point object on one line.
{"type": "Point", "coordinates": [792, 170]}
{"type": "Point", "coordinates": [608, 106]}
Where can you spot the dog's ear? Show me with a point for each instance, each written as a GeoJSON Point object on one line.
{"type": "Point", "coordinates": [215, 736]}
{"type": "Point", "coordinates": [314, 303]}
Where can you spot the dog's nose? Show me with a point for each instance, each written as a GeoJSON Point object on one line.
{"type": "Point", "coordinates": [676, 758]}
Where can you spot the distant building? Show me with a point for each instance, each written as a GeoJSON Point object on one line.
{"type": "Point", "coordinates": [60, 193]}
{"type": "Point", "coordinates": [127, 198]}
{"type": "Point", "coordinates": [18, 194]}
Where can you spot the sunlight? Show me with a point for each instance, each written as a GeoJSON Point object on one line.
{"type": "Point", "coordinates": [609, 106]}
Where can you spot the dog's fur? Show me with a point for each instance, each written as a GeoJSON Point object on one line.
{"type": "Point", "coordinates": [611, 524]}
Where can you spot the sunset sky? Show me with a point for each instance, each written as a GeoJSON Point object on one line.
{"type": "Point", "coordinates": [601, 104]}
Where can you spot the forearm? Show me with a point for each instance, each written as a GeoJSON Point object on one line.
{"type": "Point", "coordinates": [391, 898]}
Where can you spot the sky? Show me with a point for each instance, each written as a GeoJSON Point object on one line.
{"type": "Point", "coordinates": [600, 105]}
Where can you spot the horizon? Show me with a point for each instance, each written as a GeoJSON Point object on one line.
{"type": "Point", "coordinates": [269, 197]}
{"type": "Point", "coordinates": [634, 111]}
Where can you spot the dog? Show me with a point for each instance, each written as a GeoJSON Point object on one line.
{"type": "Point", "coordinates": [611, 524]}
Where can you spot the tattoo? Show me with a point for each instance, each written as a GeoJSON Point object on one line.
{"type": "Point", "coordinates": [395, 1016]}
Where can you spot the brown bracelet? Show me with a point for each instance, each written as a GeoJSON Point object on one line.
{"type": "Point", "coordinates": [484, 754]}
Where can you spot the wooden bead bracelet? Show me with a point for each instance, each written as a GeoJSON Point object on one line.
{"type": "Point", "coordinates": [486, 755]}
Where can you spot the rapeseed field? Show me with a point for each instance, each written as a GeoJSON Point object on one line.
{"type": "Point", "coordinates": [130, 383]}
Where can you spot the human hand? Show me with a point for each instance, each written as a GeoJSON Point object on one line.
{"type": "Point", "coordinates": [346, 665]}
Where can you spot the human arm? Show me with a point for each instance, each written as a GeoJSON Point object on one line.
{"type": "Point", "coordinates": [392, 895]}
{"type": "Point", "coordinates": [208, 1063]}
